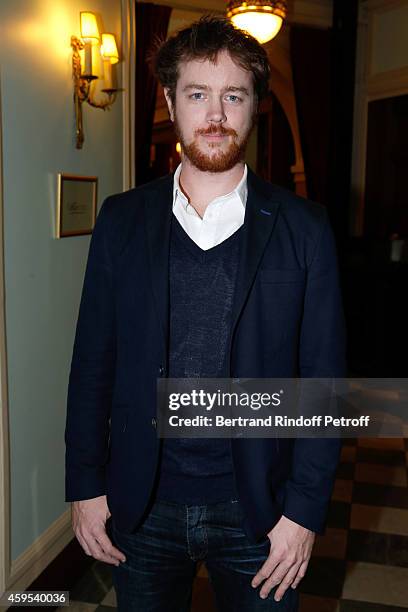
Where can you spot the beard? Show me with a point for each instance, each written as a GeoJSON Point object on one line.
{"type": "Point", "coordinates": [219, 161]}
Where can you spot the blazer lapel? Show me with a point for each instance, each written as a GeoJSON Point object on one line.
{"type": "Point", "coordinates": [260, 216]}
{"type": "Point", "coordinates": [158, 211]}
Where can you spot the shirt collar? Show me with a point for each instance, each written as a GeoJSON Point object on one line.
{"type": "Point", "coordinates": [241, 190]}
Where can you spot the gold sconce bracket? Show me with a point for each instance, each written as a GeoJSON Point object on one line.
{"type": "Point", "coordinates": [82, 90]}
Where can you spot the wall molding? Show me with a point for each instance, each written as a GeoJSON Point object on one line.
{"type": "Point", "coordinates": [29, 565]}
{"type": "Point", "coordinates": [387, 84]}
{"type": "Point", "coordinates": [383, 5]}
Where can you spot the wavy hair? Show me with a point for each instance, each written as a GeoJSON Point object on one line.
{"type": "Point", "coordinates": [204, 39]}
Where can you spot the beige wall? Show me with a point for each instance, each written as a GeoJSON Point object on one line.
{"type": "Point", "coordinates": [43, 276]}
{"type": "Point", "coordinates": [389, 42]}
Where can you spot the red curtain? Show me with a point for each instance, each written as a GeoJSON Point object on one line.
{"type": "Point", "coordinates": [152, 22]}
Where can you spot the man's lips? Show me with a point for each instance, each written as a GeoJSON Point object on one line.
{"type": "Point", "coordinates": [215, 136]}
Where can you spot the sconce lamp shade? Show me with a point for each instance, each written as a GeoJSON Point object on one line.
{"type": "Point", "coordinates": [109, 49]}
{"type": "Point", "coordinates": [89, 28]}
{"type": "Point", "coordinates": [261, 18]}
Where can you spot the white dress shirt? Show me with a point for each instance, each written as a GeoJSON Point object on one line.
{"type": "Point", "coordinates": [223, 216]}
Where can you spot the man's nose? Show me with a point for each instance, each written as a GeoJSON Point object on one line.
{"type": "Point", "coordinates": [216, 113]}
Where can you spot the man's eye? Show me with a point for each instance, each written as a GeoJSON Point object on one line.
{"type": "Point", "coordinates": [197, 95]}
{"type": "Point", "coordinates": [234, 98]}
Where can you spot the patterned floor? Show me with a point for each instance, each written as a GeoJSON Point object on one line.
{"type": "Point", "coordinates": [359, 565]}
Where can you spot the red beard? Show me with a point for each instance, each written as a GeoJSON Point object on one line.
{"type": "Point", "coordinates": [220, 161]}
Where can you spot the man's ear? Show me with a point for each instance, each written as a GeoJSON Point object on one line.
{"type": "Point", "coordinates": [169, 103]}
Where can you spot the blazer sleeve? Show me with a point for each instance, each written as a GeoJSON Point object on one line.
{"type": "Point", "coordinates": [321, 355]}
{"type": "Point", "coordinates": [92, 371]}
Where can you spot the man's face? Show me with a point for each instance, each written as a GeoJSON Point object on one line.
{"type": "Point", "coordinates": [214, 112]}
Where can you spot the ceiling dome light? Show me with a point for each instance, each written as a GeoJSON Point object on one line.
{"type": "Point", "coordinates": [262, 19]}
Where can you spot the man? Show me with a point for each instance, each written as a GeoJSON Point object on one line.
{"type": "Point", "coordinates": [208, 273]}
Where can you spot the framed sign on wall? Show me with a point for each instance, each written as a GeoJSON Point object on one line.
{"type": "Point", "coordinates": [76, 206]}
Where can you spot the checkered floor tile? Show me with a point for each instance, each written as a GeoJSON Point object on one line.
{"type": "Point", "coordinates": [359, 565]}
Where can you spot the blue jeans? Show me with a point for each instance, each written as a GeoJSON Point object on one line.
{"type": "Point", "coordinates": [162, 556]}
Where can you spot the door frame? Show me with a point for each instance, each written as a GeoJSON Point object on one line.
{"type": "Point", "coordinates": [369, 86]}
{"type": "Point", "coordinates": [128, 84]}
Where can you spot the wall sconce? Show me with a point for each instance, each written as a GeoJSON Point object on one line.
{"type": "Point", "coordinates": [83, 75]}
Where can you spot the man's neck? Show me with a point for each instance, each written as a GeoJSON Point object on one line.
{"type": "Point", "coordinates": [201, 188]}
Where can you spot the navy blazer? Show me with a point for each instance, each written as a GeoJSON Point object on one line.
{"type": "Point", "coordinates": [287, 321]}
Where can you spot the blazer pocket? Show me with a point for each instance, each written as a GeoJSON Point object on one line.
{"type": "Point", "coordinates": [282, 276]}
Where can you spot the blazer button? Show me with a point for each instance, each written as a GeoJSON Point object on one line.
{"type": "Point", "coordinates": [161, 370]}
{"type": "Point", "coordinates": [154, 422]}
